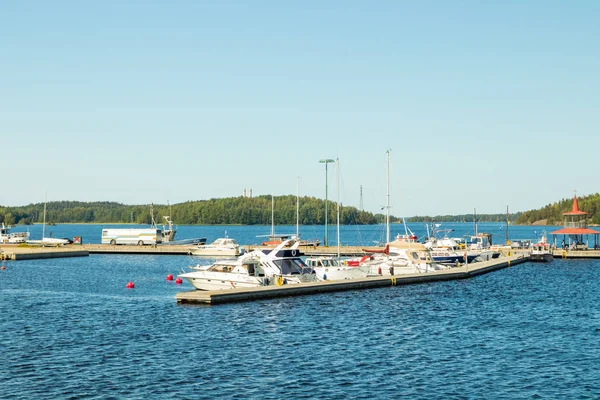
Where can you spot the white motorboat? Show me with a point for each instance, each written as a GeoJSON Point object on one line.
{"type": "Point", "coordinates": [221, 247]}
{"type": "Point", "coordinates": [542, 251]}
{"type": "Point", "coordinates": [6, 236]}
{"type": "Point", "coordinates": [333, 269]}
{"type": "Point", "coordinates": [256, 268]}
{"type": "Point", "coordinates": [401, 257]}
{"type": "Point", "coordinates": [228, 274]}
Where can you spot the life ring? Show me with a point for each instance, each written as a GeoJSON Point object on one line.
{"type": "Point", "coordinates": [294, 253]}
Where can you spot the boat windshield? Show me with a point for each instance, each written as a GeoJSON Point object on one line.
{"type": "Point", "coordinates": [292, 266]}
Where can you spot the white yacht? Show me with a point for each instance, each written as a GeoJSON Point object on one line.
{"type": "Point", "coordinates": [401, 257]}
{"type": "Point", "coordinates": [333, 269]}
{"type": "Point", "coordinates": [221, 247]}
{"type": "Point", "coordinates": [6, 236]}
{"type": "Point", "coordinates": [256, 268]}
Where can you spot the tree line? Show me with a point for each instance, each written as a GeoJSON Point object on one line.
{"type": "Point", "coordinates": [225, 211]}
{"type": "Point", "coordinates": [552, 213]}
{"type": "Point", "coordinates": [257, 211]}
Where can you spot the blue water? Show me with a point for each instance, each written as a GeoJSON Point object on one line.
{"type": "Point", "coordinates": [361, 235]}
{"type": "Point", "coordinates": [70, 329]}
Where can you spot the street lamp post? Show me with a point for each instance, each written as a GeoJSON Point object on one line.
{"type": "Point", "coordinates": [326, 161]}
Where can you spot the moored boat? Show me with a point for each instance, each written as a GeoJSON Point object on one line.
{"type": "Point", "coordinates": [6, 236]}
{"type": "Point", "coordinates": [221, 247]}
{"type": "Point", "coordinates": [278, 266]}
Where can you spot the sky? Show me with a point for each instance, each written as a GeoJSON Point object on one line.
{"type": "Point", "coordinates": [483, 105]}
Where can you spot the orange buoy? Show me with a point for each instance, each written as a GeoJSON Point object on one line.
{"type": "Point", "coordinates": [178, 281]}
{"type": "Point", "coordinates": [130, 285]}
{"type": "Point", "coordinates": [169, 277]}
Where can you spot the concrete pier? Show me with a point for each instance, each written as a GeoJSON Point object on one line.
{"type": "Point", "coordinates": [266, 292]}
{"type": "Point", "coordinates": [32, 253]}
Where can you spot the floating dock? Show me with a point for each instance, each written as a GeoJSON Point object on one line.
{"type": "Point", "coordinates": [267, 292]}
{"type": "Point", "coordinates": [34, 253]}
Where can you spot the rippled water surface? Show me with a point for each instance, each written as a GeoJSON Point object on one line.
{"type": "Point", "coordinates": [70, 329]}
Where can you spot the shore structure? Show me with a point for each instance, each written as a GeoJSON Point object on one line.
{"type": "Point", "coordinates": [575, 230]}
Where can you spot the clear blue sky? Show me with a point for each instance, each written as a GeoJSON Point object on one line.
{"type": "Point", "coordinates": [483, 104]}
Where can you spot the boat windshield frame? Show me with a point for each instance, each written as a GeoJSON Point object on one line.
{"type": "Point", "coordinates": [292, 266]}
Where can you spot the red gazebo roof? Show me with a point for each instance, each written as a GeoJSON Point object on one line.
{"type": "Point", "coordinates": [575, 231]}
{"type": "Point", "coordinates": [575, 209]}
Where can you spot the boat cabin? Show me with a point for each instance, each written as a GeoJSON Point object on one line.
{"type": "Point", "coordinates": [249, 267]}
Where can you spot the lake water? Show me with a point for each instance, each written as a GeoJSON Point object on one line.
{"type": "Point", "coordinates": [70, 329]}
{"type": "Point", "coordinates": [360, 235]}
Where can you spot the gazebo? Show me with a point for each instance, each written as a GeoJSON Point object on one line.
{"type": "Point", "coordinates": [575, 228]}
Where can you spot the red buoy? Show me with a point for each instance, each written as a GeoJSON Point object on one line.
{"type": "Point", "coordinates": [130, 285]}
{"type": "Point", "coordinates": [178, 281]}
{"type": "Point", "coordinates": [169, 277]}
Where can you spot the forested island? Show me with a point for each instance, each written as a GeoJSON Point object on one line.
{"type": "Point", "coordinates": [257, 211]}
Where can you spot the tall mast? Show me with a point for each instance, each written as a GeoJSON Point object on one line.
{"type": "Point", "coordinates": [475, 221]}
{"type": "Point", "coordinates": [44, 220]}
{"type": "Point", "coordinates": [387, 203]}
{"type": "Point", "coordinates": [361, 206]}
{"type": "Point", "coordinates": [506, 224]}
{"type": "Point", "coordinates": [337, 173]}
{"type": "Point", "coordinates": [272, 216]}
{"type": "Point", "coordinates": [297, 206]}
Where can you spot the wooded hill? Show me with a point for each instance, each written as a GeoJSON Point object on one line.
{"type": "Point", "coordinates": [552, 213]}
{"type": "Point", "coordinates": [226, 211]}
{"type": "Point", "coordinates": [257, 211]}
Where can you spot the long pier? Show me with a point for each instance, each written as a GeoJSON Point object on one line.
{"type": "Point", "coordinates": [16, 253]}
{"type": "Point", "coordinates": [214, 297]}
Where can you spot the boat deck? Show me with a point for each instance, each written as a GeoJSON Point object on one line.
{"type": "Point", "coordinates": [267, 292]}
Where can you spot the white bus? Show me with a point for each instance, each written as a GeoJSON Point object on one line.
{"type": "Point", "coordinates": [132, 236]}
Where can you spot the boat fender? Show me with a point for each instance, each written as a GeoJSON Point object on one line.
{"type": "Point", "coordinates": [465, 256]}
{"type": "Point", "coordinates": [378, 270]}
{"type": "Point", "coordinates": [265, 281]}
{"type": "Point", "coordinates": [392, 270]}
{"type": "Point", "coordinates": [324, 277]}
{"type": "Point", "coordinates": [285, 281]}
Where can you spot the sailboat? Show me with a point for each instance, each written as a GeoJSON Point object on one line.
{"type": "Point", "coordinates": [329, 268]}
{"type": "Point", "coordinates": [48, 241]}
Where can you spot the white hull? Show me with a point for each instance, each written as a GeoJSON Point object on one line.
{"type": "Point", "coordinates": [208, 281]}
{"type": "Point", "coordinates": [340, 273]}
{"type": "Point", "coordinates": [216, 252]}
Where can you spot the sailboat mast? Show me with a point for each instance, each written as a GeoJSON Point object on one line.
{"type": "Point", "coordinates": [506, 225]}
{"type": "Point", "coordinates": [44, 220]}
{"type": "Point", "coordinates": [337, 173]}
{"type": "Point", "coordinates": [272, 216]}
{"type": "Point", "coordinates": [475, 221]}
{"type": "Point", "coordinates": [297, 207]}
{"type": "Point", "coordinates": [387, 204]}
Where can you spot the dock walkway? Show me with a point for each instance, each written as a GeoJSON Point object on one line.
{"type": "Point", "coordinates": [267, 292]}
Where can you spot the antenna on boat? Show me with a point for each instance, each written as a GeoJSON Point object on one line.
{"type": "Point", "coordinates": [475, 220]}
